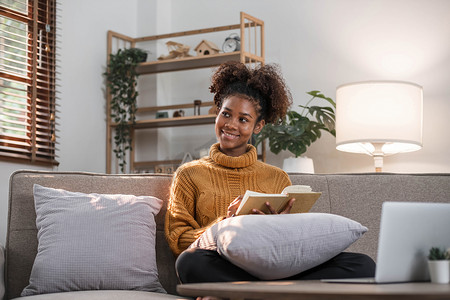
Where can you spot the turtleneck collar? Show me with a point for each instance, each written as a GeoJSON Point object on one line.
{"type": "Point", "coordinates": [245, 160]}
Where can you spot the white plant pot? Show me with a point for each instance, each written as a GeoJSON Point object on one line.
{"type": "Point", "coordinates": [300, 164]}
{"type": "Point", "coordinates": [439, 271]}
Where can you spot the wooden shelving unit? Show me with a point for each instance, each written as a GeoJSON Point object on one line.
{"type": "Point", "coordinates": [251, 51]}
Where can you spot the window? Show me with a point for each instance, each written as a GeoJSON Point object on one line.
{"type": "Point", "coordinates": [27, 81]}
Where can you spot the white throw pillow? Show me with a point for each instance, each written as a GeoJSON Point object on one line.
{"type": "Point", "coordinates": [278, 246]}
{"type": "Point", "coordinates": [94, 242]}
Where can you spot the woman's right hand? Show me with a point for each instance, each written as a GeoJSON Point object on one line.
{"type": "Point", "coordinates": [286, 210]}
{"type": "Point", "coordinates": [234, 206]}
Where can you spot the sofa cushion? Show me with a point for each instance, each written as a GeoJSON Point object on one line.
{"type": "Point", "coordinates": [2, 270]}
{"type": "Point", "coordinates": [103, 295]}
{"type": "Point", "coordinates": [94, 242]}
{"type": "Point", "coordinates": [278, 246]}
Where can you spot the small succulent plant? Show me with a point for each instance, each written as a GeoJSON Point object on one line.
{"type": "Point", "coordinates": [438, 254]}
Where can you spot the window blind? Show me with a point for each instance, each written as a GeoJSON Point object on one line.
{"type": "Point", "coordinates": [27, 81]}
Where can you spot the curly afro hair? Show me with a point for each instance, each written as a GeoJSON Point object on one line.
{"type": "Point", "coordinates": [264, 85]}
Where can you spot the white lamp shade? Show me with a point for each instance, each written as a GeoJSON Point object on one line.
{"type": "Point", "coordinates": [387, 113]}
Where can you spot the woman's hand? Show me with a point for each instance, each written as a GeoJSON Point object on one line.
{"type": "Point", "coordinates": [286, 210]}
{"type": "Point", "coordinates": [234, 206]}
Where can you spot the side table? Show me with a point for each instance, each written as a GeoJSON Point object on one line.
{"type": "Point", "coordinates": [316, 290]}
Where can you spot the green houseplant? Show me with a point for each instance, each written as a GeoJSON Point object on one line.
{"type": "Point", "coordinates": [122, 80]}
{"type": "Point", "coordinates": [297, 131]}
{"type": "Point", "coordinates": [439, 265]}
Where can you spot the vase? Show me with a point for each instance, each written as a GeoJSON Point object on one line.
{"type": "Point", "coordinates": [439, 271]}
{"type": "Point", "coordinates": [300, 164]}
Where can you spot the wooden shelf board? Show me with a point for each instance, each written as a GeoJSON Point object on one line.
{"type": "Point", "coordinates": [173, 122]}
{"type": "Point", "coordinates": [150, 164]}
{"type": "Point", "coordinates": [190, 32]}
{"type": "Point", "coordinates": [187, 63]}
{"type": "Point", "coordinates": [147, 164]}
{"type": "Point", "coordinates": [168, 107]}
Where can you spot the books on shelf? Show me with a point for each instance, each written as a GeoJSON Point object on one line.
{"type": "Point", "coordinates": [303, 194]}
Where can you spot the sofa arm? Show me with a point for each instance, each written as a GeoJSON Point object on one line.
{"type": "Point", "coordinates": [2, 271]}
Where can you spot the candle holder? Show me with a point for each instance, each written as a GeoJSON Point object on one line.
{"type": "Point", "coordinates": [197, 105]}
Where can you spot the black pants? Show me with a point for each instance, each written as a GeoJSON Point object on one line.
{"type": "Point", "coordinates": [198, 265]}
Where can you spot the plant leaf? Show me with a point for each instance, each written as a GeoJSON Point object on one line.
{"type": "Point", "coordinates": [296, 132]}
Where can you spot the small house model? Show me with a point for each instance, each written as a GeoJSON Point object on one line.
{"type": "Point", "coordinates": [206, 48]}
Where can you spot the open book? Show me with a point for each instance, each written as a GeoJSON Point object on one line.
{"type": "Point", "coordinates": [304, 200]}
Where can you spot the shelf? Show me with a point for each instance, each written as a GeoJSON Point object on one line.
{"type": "Point", "coordinates": [146, 164]}
{"type": "Point", "coordinates": [143, 165]}
{"type": "Point", "coordinates": [193, 62]}
{"type": "Point", "coordinates": [173, 122]}
{"type": "Point", "coordinates": [185, 63]}
{"type": "Point", "coordinates": [169, 107]}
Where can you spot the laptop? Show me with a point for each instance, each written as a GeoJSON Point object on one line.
{"type": "Point", "coordinates": [407, 231]}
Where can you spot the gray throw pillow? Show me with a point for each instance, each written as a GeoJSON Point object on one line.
{"type": "Point", "coordinates": [94, 242]}
{"type": "Point", "coordinates": [278, 246]}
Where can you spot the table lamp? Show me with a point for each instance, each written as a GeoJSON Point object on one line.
{"type": "Point", "coordinates": [379, 118]}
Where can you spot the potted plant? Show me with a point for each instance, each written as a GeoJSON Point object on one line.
{"type": "Point", "coordinates": [122, 81]}
{"type": "Point", "coordinates": [297, 131]}
{"type": "Point", "coordinates": [439, 265]}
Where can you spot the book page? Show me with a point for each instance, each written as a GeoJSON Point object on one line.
{"type": "Point", "coordinates": [297, 189]}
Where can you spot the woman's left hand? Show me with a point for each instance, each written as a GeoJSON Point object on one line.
{"type": "Point", "coordinates": [234, 206]}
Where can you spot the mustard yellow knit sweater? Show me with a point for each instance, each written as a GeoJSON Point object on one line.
{"type": "Point", "coordinates": [202, 190]}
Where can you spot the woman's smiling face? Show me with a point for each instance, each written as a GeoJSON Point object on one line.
{"type": "Point", "coordinates": [235, 124]}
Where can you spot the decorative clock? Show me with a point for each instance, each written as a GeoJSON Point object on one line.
{"type": "Point", "coordinates": [232, 43]}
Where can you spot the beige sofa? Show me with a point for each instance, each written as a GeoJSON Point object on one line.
{"type": "Point", "coordinates": [356, 196]}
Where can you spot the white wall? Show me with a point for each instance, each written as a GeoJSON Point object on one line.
{"type": "Point", "coordinates": [319, 44]}
{"type": "Point", "coordinates": [82, 27]}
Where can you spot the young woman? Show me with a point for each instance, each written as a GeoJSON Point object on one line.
{"type": "Point", "coordinates": [208, 190]}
